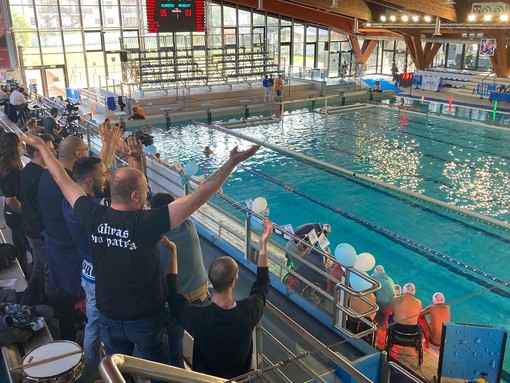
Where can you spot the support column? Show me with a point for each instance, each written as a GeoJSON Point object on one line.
{"type": "Point", "coordinates": [501, 58]}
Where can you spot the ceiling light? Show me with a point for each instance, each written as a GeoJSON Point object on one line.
{"type": "Point", "coordinates": [334, 3]}
{"type": "Point", "coordinates": [487, 17]}
{"type": "Point", "coordinates": [405, 18]}
{"type": "Point", "coordinates": [393, 18]}
{"type": "Point", "coordinates": [504, 17]}
{"type": "Point", "coordinates": [416, 18]}
{"type": "Point", "coordinates": [383, 18]}
{"type": "Point", "coordinates": [471, 18]}
{"type": "Point", "coordinates": [427, 19]}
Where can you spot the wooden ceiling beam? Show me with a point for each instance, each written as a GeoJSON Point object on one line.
{"type": "Point", "coordinates": [302, 12]}
{"type": "Point", "coordinates": [349, 8]}
{"type": "Point", "coordinates": [367, 48]}
{"type": "Point", "coordinates": [428, 7]}
{"type": "Point", "coordinates": [501, 58]}
{"type": "Point", "coordinates": [431, 52]}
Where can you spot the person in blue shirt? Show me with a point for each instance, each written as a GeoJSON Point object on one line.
{"type": "Point", "coordinates": [265, 85]}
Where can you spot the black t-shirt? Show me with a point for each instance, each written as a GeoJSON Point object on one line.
{"type": "Point", "coordinates": [222, 338]}
{"type": "Point", "coordinates": [10, 185]}
{"type": "Point", "coordinates": [129, 280]}
{"type": "Point", "coordinates": [50, 202]}
{"type": "Point", "coordinates": [30, 210]}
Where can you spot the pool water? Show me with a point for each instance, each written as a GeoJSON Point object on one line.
{"type": "Point", "coordinates": [437, 250]}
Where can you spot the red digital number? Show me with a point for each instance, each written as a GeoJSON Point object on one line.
{"type": "Point", "coordinates": [163, 13]}
{"type": "Point", "coordinates": [188, 12]}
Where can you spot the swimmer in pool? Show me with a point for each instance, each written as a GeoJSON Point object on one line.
{"type": "Point", "coordinates": [207, 151]}
{"type": "Point", "coordinates": [439, 313]}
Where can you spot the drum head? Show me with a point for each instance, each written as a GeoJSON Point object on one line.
{"type": "Point", "coordinates": [55, 367]}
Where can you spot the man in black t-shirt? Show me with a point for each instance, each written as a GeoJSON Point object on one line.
{"type": "Point", "coordinates": [222, 331]}
{"type": "Point", "coordinates": [33, 224]}
{"type": "Point", "coordinates": [123, 238]}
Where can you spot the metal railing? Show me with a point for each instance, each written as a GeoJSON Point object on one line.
{"type": "Point", "coordinates": [316, 361]}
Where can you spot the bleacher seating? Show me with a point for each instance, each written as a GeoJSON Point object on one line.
{"type": "Point", "coordinates": [464, 81]}
{"type": "Point", "coordinates": [200, 66]}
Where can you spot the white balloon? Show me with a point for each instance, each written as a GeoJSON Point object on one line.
{"type": "Point", "coordinates": [345, 254]}
{"type": "Point", "coordinates": [357, 283]}
{"type": "Point", "coordinates": [364, 262]}
{"type": "Point", "coordinates": [258, 205]}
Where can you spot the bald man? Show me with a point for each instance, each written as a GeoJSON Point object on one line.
{"type": "Point", "coordinates": [62, 255]}
{"type": "Point", "coordinates": [123, 238]}
{"type": "Point", "coordinates": [222, 331]}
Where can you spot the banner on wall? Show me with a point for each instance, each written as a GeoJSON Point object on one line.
{"type": "Point", "coordinates": [487, 47]}
{"type": "Point", "coordinates": [5, 61]}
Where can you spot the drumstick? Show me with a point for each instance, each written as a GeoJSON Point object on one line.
{"type": "Point", "coordinates": [47, 360]}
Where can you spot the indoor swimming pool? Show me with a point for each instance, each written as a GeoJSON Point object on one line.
{"type": "Point", "coordinates": [438, 250]}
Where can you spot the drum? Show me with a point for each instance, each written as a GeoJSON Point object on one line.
{"type": "Point", "coordinates": [56, 362]}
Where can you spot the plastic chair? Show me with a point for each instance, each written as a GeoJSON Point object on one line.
{"type": "Point", "coordinates": [407, 336]}
{"type": "Point", "coordinates": [356, 326]}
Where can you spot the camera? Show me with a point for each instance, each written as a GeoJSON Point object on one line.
{"type": "Point", "coordinates": [71, 107]}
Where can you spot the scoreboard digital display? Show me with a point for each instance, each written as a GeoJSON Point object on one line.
{"type": "Point", "coordinates": [175, 16]}
{"type": "Point", "coordinates": [406, 79]}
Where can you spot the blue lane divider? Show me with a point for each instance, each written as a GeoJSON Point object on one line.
{"type": "Point", "coordinates": [379, 228]}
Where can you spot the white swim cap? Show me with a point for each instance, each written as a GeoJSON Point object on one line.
{"type": "Point", "coordinates": [409, 288]}
{"type": "Point", "coordinates": [326, 228]}
{"type": "Point", "coordinates": [438, 298]}
{"type": "Point", "coordinates": [379, 269]}
{"type": "Point", "coordinates": [398, 289]}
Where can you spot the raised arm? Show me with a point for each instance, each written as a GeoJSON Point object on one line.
{"type": "Point", "coordinates": [109, 137]}
{"type": "Point", "coordinates": [172, 255]}
{"type": "Point", "coordinates": [264, 238]}
{"type": "Point", "coordinates": [183, 207]}
{"type": "Point", "coordinates": [132, 150]}
{"type": "Point", "coordinates": [71, 190]}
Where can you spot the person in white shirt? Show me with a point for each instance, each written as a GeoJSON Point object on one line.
{"type": "Point", "coordinates": [19, 101]}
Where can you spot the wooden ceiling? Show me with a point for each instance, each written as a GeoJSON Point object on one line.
{"type": "Point", "coordinates": [340, 14]}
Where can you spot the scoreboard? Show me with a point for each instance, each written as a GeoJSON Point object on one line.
{"type": "Point", "coordinates": [406, 79]}
{"type": "Point", "coordinates": [175, 16]}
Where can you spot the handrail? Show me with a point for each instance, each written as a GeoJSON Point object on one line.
{"type": "Point", "coordinates": [111, 367]}
{"type": "Point", "coordinates": [334, 356]}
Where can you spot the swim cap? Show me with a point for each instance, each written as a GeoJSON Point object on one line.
{"type": "Point", "coordinates": [398, 289]}
{"type": "Point", "coordinates": [409, 288]}
{"type": "Point", "coordinates": [379, 269]}
{"type": "Point", "coordinates": [438, 299]}
{"type": "Point", "coordinates": [326, 228]}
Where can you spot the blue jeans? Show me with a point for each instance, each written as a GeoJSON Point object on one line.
{"type": "Point", "coordinates": [40, 283]}
{"type": "Point", "coordinates": [149, 335]}
{"type": "Point", "coordinates": [92, 338]}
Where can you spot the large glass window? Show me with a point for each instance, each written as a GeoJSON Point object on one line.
{"type": "Point", "coordinates": [454, 55]}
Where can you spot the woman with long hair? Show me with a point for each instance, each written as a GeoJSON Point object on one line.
{"type": "Point", "coordinates": [11, 150]}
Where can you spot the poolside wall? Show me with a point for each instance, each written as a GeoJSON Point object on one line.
{"type": "Point", "coordinates": [264, 109]}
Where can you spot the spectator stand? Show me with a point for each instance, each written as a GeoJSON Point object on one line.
{"type": "Point", "coordinates": [167, 62]}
